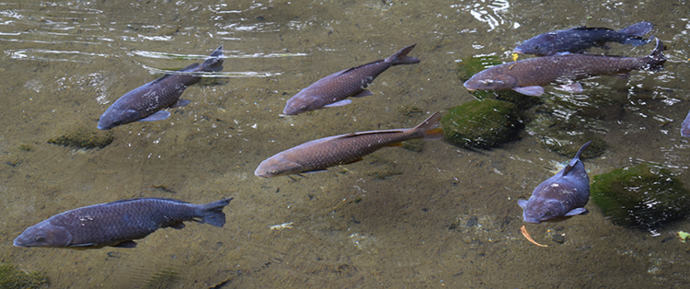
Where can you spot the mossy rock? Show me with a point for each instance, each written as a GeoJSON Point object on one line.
{"type": "Point", "coordinates": [84, 138]}
{"type": "Point", "coordinates": [472, 65]}
{"type": "Point", "coordinates": [13, 278]}
{"type": "Point", "coordinates": [481, 124]}
{"type": "Point", "coordinates": [645, 196]}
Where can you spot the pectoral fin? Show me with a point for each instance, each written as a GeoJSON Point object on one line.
{"type": "Point", "coordinates": [126, 244]}
{"type": "Point", "coordinates": [363, 93]}
{"type": "Point", "coordinates": [339, 103]}
{"type": "Point", "coordinates": [577, 211]}
{"type": "Point", "coordinates": [180, 103]}
{"type": "Point", "coordinates": [177, 226]}
{"type": "Point", "coordinates": [530, 90]}
{"type": "Point", "coordinates": [522, 203]}
{"type": "Point", "coordinates": [159, 115]}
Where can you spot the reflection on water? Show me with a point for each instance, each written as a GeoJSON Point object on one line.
{"type": "Point", "coordinates": [444, 216]}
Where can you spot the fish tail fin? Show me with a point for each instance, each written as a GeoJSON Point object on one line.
{"type": "Point", "coordinates": [401, 57]}
{"type": "Point", "coordinates": [215, 61]}
{"type": "Point", "coordinates": [656, 59]}
{"type": "Point", "coordinates": [213, 212]}
{"type": "Point", "coordinates": [582, 149]}
{"type": "Point", "coordinates": [637, 29]}
{"type": "Point", "coordinates": [576, 159]}
{"type": "Point", "coordinates": [428, 127]}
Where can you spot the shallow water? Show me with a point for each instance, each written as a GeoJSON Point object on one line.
{"type": "Point", "coordinates": [64, 63]}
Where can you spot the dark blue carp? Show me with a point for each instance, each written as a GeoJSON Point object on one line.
{"type": "Point", "coordinates": [146, 102]}
{"type": "Point", "coordinates": [118, 223]}
{"type": "Point", "coordinates": [561, 196]}
{"type": "Point", "coordinates": [320, 154]}
{"type": "Point", "coordinates": [579, 39]}
{"type": "Point", "coordinates": [530, 75]}
{"type": "Point", "coordinates": [333, 90]}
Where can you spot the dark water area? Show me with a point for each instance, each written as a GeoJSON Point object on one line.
{"type": "Point", "coordinates": [443, 217]}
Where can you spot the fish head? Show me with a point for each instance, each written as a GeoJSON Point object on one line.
{"type": "Point", "coordinates": [540, 45]}
{"type": "Point", "coordinates": [44, 234]}
{"type": "Point", "coordinates": [115, 116]}
{"type": "Point", "coordinates": [303, 102]}
{"type": "Point", "coordinates": [490, 80]}
{"type": "Point", "coordinates": [277, 166]}
{"type": "Point", "coordinates": [538, 210]}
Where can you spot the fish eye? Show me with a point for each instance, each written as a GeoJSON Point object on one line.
{"type": "Point", "coordinates": [304, 107]}
{"type": "Point", "coordinates": [275, 172]}
{"type": "Point", "coordinates": [40, 239]}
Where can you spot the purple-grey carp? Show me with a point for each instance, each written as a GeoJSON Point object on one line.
{"type": "Point", "coordinates": [579, 39]}
{"type": "Point", "coordinates": [146, 102]}
{"type": "Point", "coordinates": [118, 223]}
{"type": "Point", "coordinates": [333, 90]}
{"type": "Point", "coordinates": [317, 155]}
{"type": "Point", "coordinates": [529, 75]}
{"type": "Point", "coordinates": [562, 196]}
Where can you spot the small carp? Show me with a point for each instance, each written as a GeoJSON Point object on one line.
{"type": "Point", "coordinates": [579, 39]}
{"type": "Point", "coordinates": [317, 155]}
{"type": "Point", "coordinates": [561, 196]}
{"type": "Point", "coordinates": [685, 126]}
{"type": "Point", "coordinates": [118, 223]}
{"type": "Point", "coordinates": [333, 90]}
{"type": "Point", "coordinates": [145, 102]}
{"type": "Point", "coordinates": [529, 75]}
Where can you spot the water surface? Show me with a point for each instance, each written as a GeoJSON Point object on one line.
{"type": "Point", "coordinates": [64, 63]}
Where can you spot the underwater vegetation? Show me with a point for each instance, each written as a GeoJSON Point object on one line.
{"type": "Point", "coordinates": [84, 138]}
{"type": "Point", "coordinates": [644, 196]}
{"type": "Point", "coordinates": [481, 124]}
{"type": "Point", "coordinates": [13, 278]}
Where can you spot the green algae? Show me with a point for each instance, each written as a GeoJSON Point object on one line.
{"type": "Point", "coordinates": [13, 278]}
{"type": "Point", "coordinates": [481, 124]}
{"type": "Point", "coordinates": [643, 196]}
{"type": "Point", "coordinates": [84, 138]}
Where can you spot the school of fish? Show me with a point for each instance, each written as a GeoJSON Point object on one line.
{"type": "Point", "coordinates": [562, 196]}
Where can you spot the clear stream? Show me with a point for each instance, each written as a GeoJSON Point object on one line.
{"type": "Point", "coordinates": [445, 216]}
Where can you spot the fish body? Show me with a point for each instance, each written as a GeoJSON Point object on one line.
{"type": "Point", "coordinates": [333, 90]}
{"type": "Point", "coordinates": [146, 102]}
{"type": "Point", "coordinates": [561, 196]}
{"type": "Point", "coordinates": [118, 223]}
{"type": "Point", "coordinates": [317, 155]}
{"type": "Point", "coordinates": [685, 126]}
{"type": "Point", "coordinates": [529, 75]}
{"type": "Point", "coordinates": [579, 39]}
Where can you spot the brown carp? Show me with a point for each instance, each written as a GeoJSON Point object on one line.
{"type": "Point", "coordinates": [333, 90]}
{"type": "Point", "coordinates": [118, 223]}
{"type": "Point", "coordinates": [529, 75]}
{"type": "Point", "coordinates": [317, 155]}
{"type": "Point", "coordinates": [145, 102]}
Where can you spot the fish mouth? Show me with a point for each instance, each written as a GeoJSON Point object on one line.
{"type": "Point", "coordinates": [518, 51]}
{"type": "Point", "coordinates": [532, 221]}
{"type": "Point", "coordinates": [16, 244]}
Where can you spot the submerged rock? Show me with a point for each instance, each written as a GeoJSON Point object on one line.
{"type": "Point", "coordinates": [84, 138]}
{"type": "Point", "coordinates": [482, 124]}
{"type": "Point", "coordinates": [13, 278]}
{"type": "Point", "coordinates": [645, 196]}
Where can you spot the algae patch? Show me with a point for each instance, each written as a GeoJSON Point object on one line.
{"type": "Point", "coordinates": [645, 196]}
{"type": "Point", "coordinates": [482, 124]}
{"type": "Point", "coordinates": [84, 138]}
{"type": "Point", "coordinates": [13, 278]}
